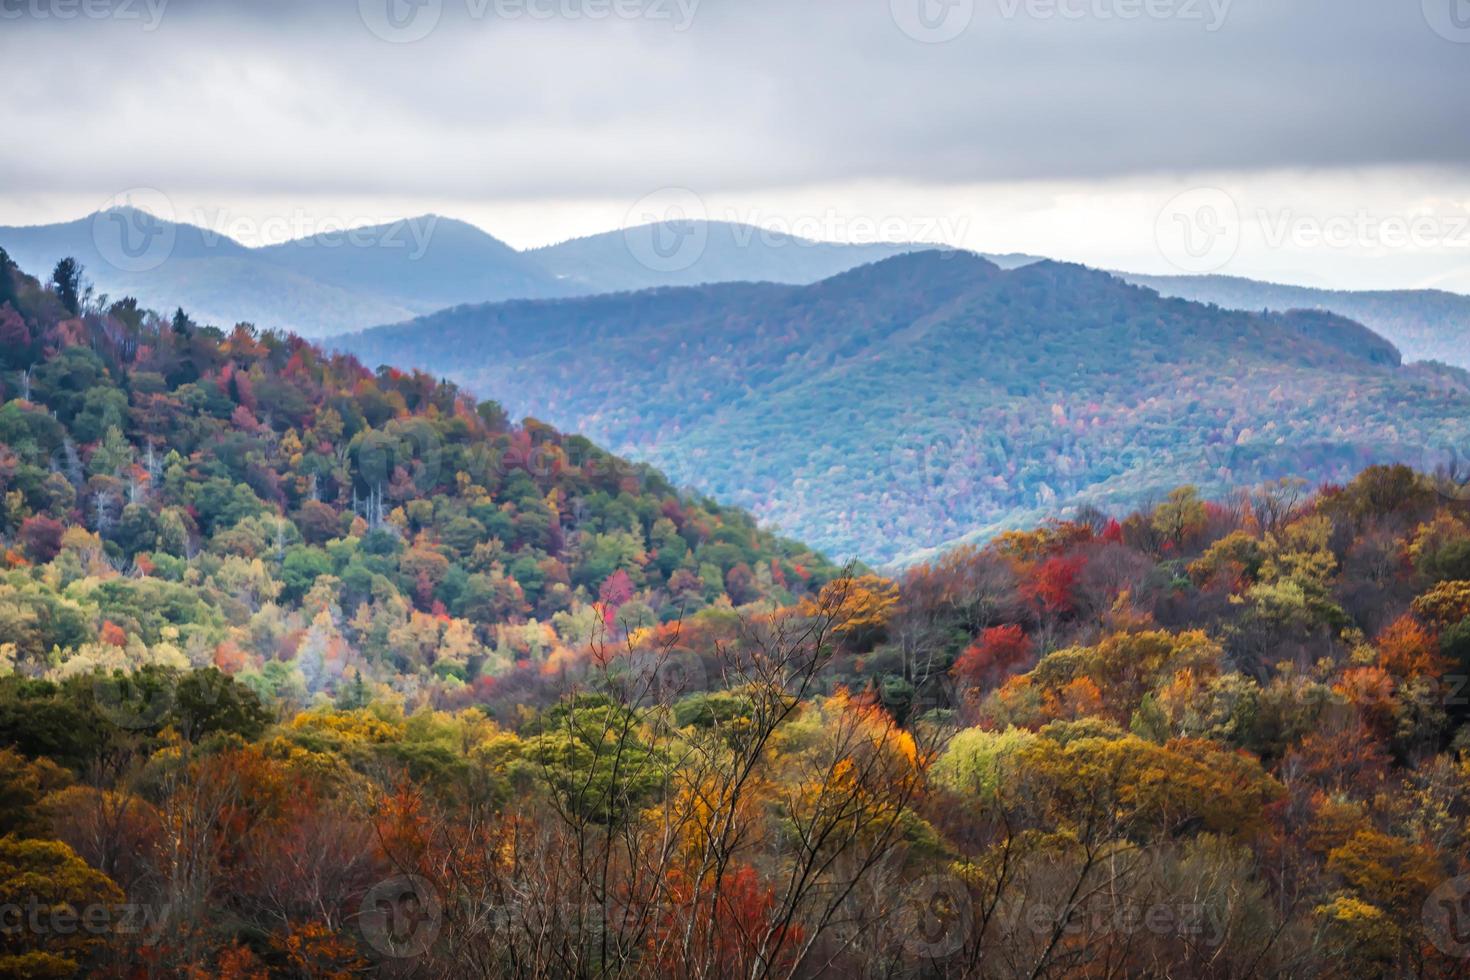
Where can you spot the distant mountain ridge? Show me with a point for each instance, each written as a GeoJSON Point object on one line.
{"type": "Point", "coordinates": [428, 262]}
{"type": "Point", "coordinates": [690, 253]}
{"type": "Point", "coordinates": [350, 279]}
{"type": "Point", "coordinates": [1426, 324]}
{"type": "Point", "coordinates": [218, 279]}
{"type": "Point", "coordinates": [353, 278]}
{"type": "Point", "coordinates": [932, 396]}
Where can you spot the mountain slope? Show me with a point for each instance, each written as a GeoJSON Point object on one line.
{"type": "Point", "coordinates": [165, 264]}
{"type": "Point", "coordinates": [85, 238]}
{"type": "Point", "coordinates": [1426, 324]}
{"type": "Point", "coordinates": [313, 286]}
{"type": "Point", "coordinates": [423, 264]}
{"type": "Point", "coordinates": [385, 526]}
{"type": "Point", "coordinates": [916, 400]}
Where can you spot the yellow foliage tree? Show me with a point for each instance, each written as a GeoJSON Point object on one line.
{"type": "Point", "coordinates": [1445, 604]}
{"type": "Point", "coordinates": [65, 908]}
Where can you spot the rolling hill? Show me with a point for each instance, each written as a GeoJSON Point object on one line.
{"type": "Point", "coordinates": [1426, 324]}
{"type": "Point", "coordinates": [312, 286]}
{"type": "Point", "coordinates": [166, 264]}
{"type": "Point", "coordinates": [932, 396]}
{"type": "Point", "coordinates": [349, 279]}
{"type": "Point", "coordinates": [690, 253]}
{"type": "Point", "coordinates": [422, 264]}
{"type": "Point", "coordinates": [343, 281]}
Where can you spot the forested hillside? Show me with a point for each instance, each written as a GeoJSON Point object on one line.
{"type": "Point", "coordinates": [242, 499]}
{"type": "Point", "coordinates": [313, 672]}
{"type": "Point", "coordinates": [915, 401]}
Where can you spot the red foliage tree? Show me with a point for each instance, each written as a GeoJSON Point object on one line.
{"type": "Point", "coordinates": [998, 652]}
{"type": "Point", "coordinates": [1051, 584]}
{"type": "Point", "coordinates": [14, 337]}
{"type": "Point", "coordinates": [616, 590]}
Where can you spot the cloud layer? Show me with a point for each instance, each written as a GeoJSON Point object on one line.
{"type": "Point", "coordinates": [558, 98]}
{"type": "Point", "coordinates": [1055, 126]}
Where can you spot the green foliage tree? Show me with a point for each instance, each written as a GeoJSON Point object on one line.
{"type": "Point", "coordinates": [66, 279]}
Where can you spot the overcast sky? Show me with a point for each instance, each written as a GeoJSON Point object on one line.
{"type": "Point", "coordinates": [1317, 141]}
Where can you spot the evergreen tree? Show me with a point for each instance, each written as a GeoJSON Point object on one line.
{"type": "Point", "coordinates": [66, 278]}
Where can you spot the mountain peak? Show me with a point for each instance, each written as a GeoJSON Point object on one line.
{"type": "Point", "coordinates": [932, 268]}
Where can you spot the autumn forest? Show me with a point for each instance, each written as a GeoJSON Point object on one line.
{"type": "Point", "coordinates": [311, 670]}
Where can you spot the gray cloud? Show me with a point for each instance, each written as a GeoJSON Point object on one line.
{"type": "Point", "coordinates": [302, 98]}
